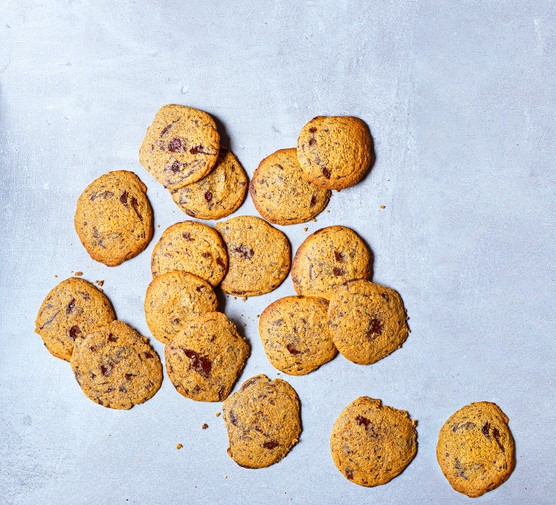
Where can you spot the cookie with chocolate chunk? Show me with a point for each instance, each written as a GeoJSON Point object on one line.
{"type": "Point", "coordinates": [335, 152]}
{"type": "Point", "coordinates": [294, 332]}
{"type": "Point", "coordinates": [476, 449]}
{"type": "Point", "coordinates": [258, 255]}
{"type": "Point", "coordinates": [70, 311]}
{"type": "Point", "coordinates": [328, 258]}
{"type": "Point", "coordinates": [263, 421]}
{"type": "Point", "coordinates": [180, 147]}
{"type": "Point", "coordinates": [372, 443]}
{"type": "Point", "coordinates": [192, 247]}
{"type": "Point", "coordinates": [216, 195]}
{"type": "Point", "coordinates": [114, 218]}
{"type": "Point", "coordinates": [366, 321]}
{"type": "Point", "coordinates": [205, 359]}
{"type": "Point", "coordinates": [280, 192]}
{"type": "Point", "coordinates": [116, 367]}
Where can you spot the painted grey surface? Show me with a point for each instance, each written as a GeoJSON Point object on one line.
{"type": "Point", "coordinates": [460, 100]}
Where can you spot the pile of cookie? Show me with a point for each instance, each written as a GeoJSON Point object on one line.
{"type": "Point", "coordinates": [337, 308]}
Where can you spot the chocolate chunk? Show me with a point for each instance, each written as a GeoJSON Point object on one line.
{"type": "Point", "coordinates": [312, 130]}
{"type": "Point", "coordinates": [74, 331]}
{"type": "Point", "coordinates": [175, 167]}
{"type": "Point", "coordinates": [338, 271]}
{"type": "Point", "coordinates": [233, 418]}
{"type": "Point", "coordinates": [362, 421]}
{"type": "Point", "coordinates": [339, 256]}
{"type": "Point", "coordinates": [166, 129]}
{"type": "Point", "coordinates": [200, 364]}
{"type": "Point", "coordinates": [187, 236]}
{"type": "Point", "coordinates": [374, 329]}
{"type": "Point", "coordinates": [496, 435]}
{"type": "Point", "coordinates": [208, 196]}
{"type": "Point", "coordinates": [220, 262]}
{"type": "Point", "coordinates": [112, 338]}
{"type": "Point", "coordinates": [105, 370]}
{"type": "Point", "coordinates": [244, 251]}
{"type": "Point", "coordinates": [128, 376]}
{"type": "Point", "coordinates": [326, 172]}
{"type": "Point", "coordinates": [486, 429]}
{"type": "Point", "coordinates": [313, 201]}
{"type": "Point", "coordinates": [70, 307]}
{"type": "Point", "coordinates": [271, 444]}
{"type": "Point", "coordinates": [197, 150]}
{"type": "Point", "coordinates": [292, 350]}
{"type": "Point", "coordinates": [349, 473]}
{"type": "Point", "coordinates": [206, 255]}
{"type": "Point", "coordinates": [312, 142]}
{"type": "Point", "coordinates": [148, 355]}
{"type": "Point", "coordinates": [174, 145]}
{"type": "Point", "coordinates": [123, 198]}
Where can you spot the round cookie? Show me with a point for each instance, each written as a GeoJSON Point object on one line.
{"type": "Point", "coordinates": [335, 152]}
{"type": "Point", "coordinates": [366, 321]}
{"type": "Point", "coordinates": [475, 449]}
{"type": "Point", "coordinates": [218, 194]}
{"type": "Point", "coordinates": [328, 258]}
{"type": "Point", "coordinates": [116, 367]}
{"type": "Point", "coordinates": [372, 443]}
{"type": "Point", "coordinates": [205, 359]}
{"type": "Point", "coordinates": [258, 255]}
{"type": "Point", "coordinates": [173, 298]}
{"type": "Point", "coordinates": [180, 147]}
{"type": "Point", "coordinates": [71, 310]}
{"type": "Point", "coordinates": [114, 218]}
{"type": "Point", "coordinates": [280, 192]}
{"type": "Point", "coordinates": [192, 247]}
{"type": "Point", "coordinates": [294, 332]}
{"type": "Point", "coordinates": [263, 422]}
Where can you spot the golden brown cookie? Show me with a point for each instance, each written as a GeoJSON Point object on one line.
{"type": "Point", "coordinates": [205, 359]}
{"type": "Point", "coordinates": [372, 443]}
{"type": "Point", "coordinates": [366, 321]}
{"type": "Point", "coordinates": [71, 310]}
{"type": "Point", "coordinates": [335, 152]}
{"type": "Point", "coordinates": [295, 335]}
{"type": "Point", "coordinates": [181, 146]}
{"type": "Point", "coordinates": [116, 367]}
{"type": "Point", "coordinates": [114, 218]}
{"type": "Point", "coordinates": [475, 449]}
{"type": "Point", "coordinates": [280, 192]}
{"type": "Point", "coordinates": [218, 194]}
{"type": "Point", "coordinates": [328, 258]}
{"type": "Point", "coordinates": [258, 255]}
{"type": "Point", "coordinates": [263, 422]}
{"type": "Point", "coordinates": [174, 297]}
{"type": "Point", "coordinates": [192, 247]}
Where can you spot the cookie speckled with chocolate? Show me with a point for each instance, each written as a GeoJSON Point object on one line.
{"type": "Point", "coordinates": [116, 367]}
{"type": "Point", "coordinates": [372, 443]}
{"type": "Point", "coordinates": [181, 146]}
{"type": "Point", "coordinates": [70, 311]}
{"type": "Point", "coordinates": [114, 218]}
{"type": "Point", "coordinates": [205, 359]}
{"type": "Point", "coordinates": [476, 449]}
{"type": "Point", "coordinates": [263, 421]}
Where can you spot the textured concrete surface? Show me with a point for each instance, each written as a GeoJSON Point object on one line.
{"type": "Point", "coordinates": [460, 99]}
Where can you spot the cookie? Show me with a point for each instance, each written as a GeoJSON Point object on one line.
{"type": "Point", "coordinates": [258, 255]}
{"type": "Point", "coordinates": [174, 297]}
{"type": "Point", "coordinates": [294, 332]}
{"type": "Point", "coordinates": [372, 443]}
{"type": "Point", "coordinates": [218, 194]}
{"type": "Point", "coordinates": [181, 146]}
{"type": "Point", "coordinates": [280, 192]}
{"type": "Point", "coordinates": [328, 258]}
{"type": "Point", "coordinates": [114, 218]}
{"type": "Point", "coordinates": [476, 449]}
{"type": "Point", "coordinates": [116, 367]}
{"type": "Point", "coordinates": [205, 359]}
{"type": "Point", "coordinates": [192, 247]}
{"type": "Point", "coordinates": [366, 321]}
{"type": "Point", "coordinates": [335, 152]}
{"type": "Point", "coordinates": [71, 310]}
{"type": "Point", "coordinates": [263, 422]}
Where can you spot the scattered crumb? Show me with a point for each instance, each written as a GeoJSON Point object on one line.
{"type": "Point", "coordinates": [205, 426]}
{"type": "Point", "coordinates": [99, 283]}
{"type": "Point", "coordinates": [305, 229]}
{"type": "Point", "coordinates": [235, 297]}
{"type": "Point", "coordinates": [217, 414]}
{"type": "Point", "coordinates": [244, 298]}
{"type": "Point", "coordinates": [78, 274]}
{"type": "Point", "coordinates": [179, 446]}
{"type": "Point", "coordinates": [327, 211]}
{"type": "Point", "coordinates": [383, 206]}
{"type": "Point", "coordinates": [225, 476]}
{"type": "Point", "coordinates": [314, 220]}
{"type": "Point", "coordinates": [258, 315]}
{"type": "Point", "coordinates": [245, 325]}
{"type": "Point", "coordinates": [55, 276]}
{"type": "Point", "coordinates": [158, 226]}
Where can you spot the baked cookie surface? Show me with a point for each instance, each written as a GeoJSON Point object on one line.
{"type": "Point", "coordinates": [476, 449]}
{"type": "Point", "coordinates": [180, 147]}
{"type": "Point", "coordinates": [294, 332]}
{"type": "Point", "coordinates": [335, 152]}
{"type": "Point", "coordinates": [216, 195]}
{"type": "Point", "coordinates": [192, 247]}
{"type": "Point", "coordinates": [372, 443]}
{"type": "Point", "coordinates": [280, 192]}
{"type": "Point", "coordinates": [366, 321]}
{"type": "Point", "coordinates": [174, 297]}
{"type": "Point", "coordinates": [70, 311]}
{"type": "Point", "coordinates": [116, 367]}
{"type": "Point", "coordinates": [259, 256]}
{"type": "Point", "coordinates": [114, 218]}
{"type": "Point", "coordinates": [263, 422]}
{"type": "Point", "coordinates": [205, 359]}
{"type": "Point", "coordinates": [328, 258]}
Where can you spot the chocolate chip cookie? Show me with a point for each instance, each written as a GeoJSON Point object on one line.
{"type": "Point", "coordinates": [205, 359]}
{"type": "Point", "coordinates": [70, 311]}
{"type": "Point", "coordinates": [114, 218]}
{"type": "Point", "coordinates": [372, 443]}
{"type": "Point", "coordinates": [263, 421]}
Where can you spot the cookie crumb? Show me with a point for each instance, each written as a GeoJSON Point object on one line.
{"type": "Point", "coordinates": [217, 414]}
{"type": "Point", "coordinates": [327, 211]}
{"type": "Point", "coordinates": [99, 283]}
{"type": "Point", "coordinates": [305, 229]}
{"type": "Point", "coordinates": [225, 476]}
{"type": "Point", "coordinates": [258, 315]}
{"type": "Point", "coordinates": [245, 325]}
{"type": "Point", "coordinates": [383, 206]}
{"type": "Point", "coordinates": [55, 276]}
{"type": "Point", "coordinates": [79, 273]}
{"type": "Point", "coordinates": [179, 446]}
{"type": "Point", "coordinates": [205, 426]}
